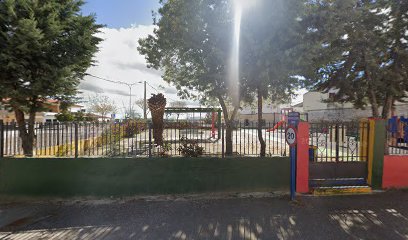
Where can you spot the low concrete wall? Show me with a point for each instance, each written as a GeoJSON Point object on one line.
{"type": "Point", "coordinates": [127, 177]}
{"type": "Point", "coordinates": [395, 172]}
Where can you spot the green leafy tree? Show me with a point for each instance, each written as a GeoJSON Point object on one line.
{"type": "Point", "coordinates": [192, 44]}
{"type": "Point", "coordinates": [269, 36]}
{"type": "Point", "coordinates": [360, 49]}
{"type": "Point", "coordinates": [65, 116]}
{"type": "Point", "coordinates": [45, 48]}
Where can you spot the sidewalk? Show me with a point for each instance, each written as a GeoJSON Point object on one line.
{"type": "Point", "coordinates": [376, 216]}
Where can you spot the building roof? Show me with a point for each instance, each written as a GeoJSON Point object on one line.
{"type": "Point", "coordinates": [48, 101]}
{"type": "Point", "coordinates": [76, 105]}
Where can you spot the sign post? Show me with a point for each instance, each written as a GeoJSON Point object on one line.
{"type": "Point", "coordinates": [291, 140]}
{"type": "Point", "coordinates": [291, 136]}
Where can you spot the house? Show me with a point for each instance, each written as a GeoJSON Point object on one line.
{"type": "Point", "coordinates": [298, 107]}
{"type": "Point", "coordinates": [52, 108]}
{"type": "Point", "coordinates": [76, 108]}
{"type": "Point", "coordinates": [319, 108]}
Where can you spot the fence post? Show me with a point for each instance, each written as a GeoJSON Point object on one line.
{"type": "Point", "coordinates": [1, 139]}
{"type": "Point", "coordinates": [150, 140]}
{"type": "Point", "coordinates": [377, 140]}
{"type": "Point", "coordinates": [222, 141]}
{"type": "Point", "coordinates": [336, 137]}
{"type": "Point", "coordinates": [76, 139]}
{"type": "Point", "coordinates": [219, 122]}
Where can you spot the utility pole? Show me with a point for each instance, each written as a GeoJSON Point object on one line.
{"type": "Point", "coordinates": [131, 115]}
{"type": "Point", "coordinates": [130, 101]}
{"type": "Point", "coordinates": [145, 103]}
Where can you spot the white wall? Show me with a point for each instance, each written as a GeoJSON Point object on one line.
{"type": "Point", "coordinates": [266, 108]}
{"type": "Point", "coordinates": [316, 101]}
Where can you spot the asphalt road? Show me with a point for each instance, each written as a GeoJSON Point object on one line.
{"type": "Point", "coordinates": [376, 216]}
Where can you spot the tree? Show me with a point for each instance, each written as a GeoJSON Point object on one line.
{"type": "Point", "coordinates": [358, 48]}
{"type": "Point", "coordinates": [101, 105]}
{"type": "Point", "coordinates": [140, 103]}
{"type": "Point", "coordinates": [45, 49]}
{"type": "Point", "coordinates": [65, 116]}
{"type": "Point", "coordinates": [269, 35]}
{"type": "Point", "coordinates": [191, 44]}
{"type": "Point", "coordinates": [157, 104]}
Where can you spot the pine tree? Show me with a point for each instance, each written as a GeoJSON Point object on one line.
{"type": "Point", "coordinates": [45, 48]}
{"type": "Point", "coordinates": [358, 48]}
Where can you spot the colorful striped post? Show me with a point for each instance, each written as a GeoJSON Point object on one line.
{"type": "Point", "coordinates": [376, 150]}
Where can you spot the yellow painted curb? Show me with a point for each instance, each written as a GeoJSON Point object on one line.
{"type": "Point", "coordinates": [340, 191]}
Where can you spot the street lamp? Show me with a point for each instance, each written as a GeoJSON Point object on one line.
{"type": "Point", "coordinates": [130, 85]}
{"type": "Point", "coordinates": [130, 97]}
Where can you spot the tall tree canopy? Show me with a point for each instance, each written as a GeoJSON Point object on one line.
{"type": "Point", "coordinates": [45, 48]}
{"type": "Point", "coordinates": [269, 37]}
{"type": "Point", "coordinates": [360, 49]}
{"type": "Point", "coordinates": [193, 44]}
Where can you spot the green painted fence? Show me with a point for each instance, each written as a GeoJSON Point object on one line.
{"type": "Point", "coordinates": [129, 177]}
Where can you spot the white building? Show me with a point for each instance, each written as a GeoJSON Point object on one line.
{"type": "Point", "coordinates": [271, 113]}
{"type": "Point", "coordinates": [319, 108]}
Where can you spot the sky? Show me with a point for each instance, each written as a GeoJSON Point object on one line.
{"type": "Point", "coordinates": [121, 13]}
{"type": "Point", "coordinates": [125, 22]}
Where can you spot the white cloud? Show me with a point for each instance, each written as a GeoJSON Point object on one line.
{"type": "Point", "coordinates": [119, 60]}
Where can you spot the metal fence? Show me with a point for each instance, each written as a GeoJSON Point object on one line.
{"type": "Point", "coordinates": [339, 142]}
{"type": "Point", "coordinates": [135, 139]}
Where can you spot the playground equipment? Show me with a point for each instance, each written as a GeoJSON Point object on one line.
{"type": "Point", "coordinates": [215, 117]}
{"type": "Point", "coordinates": [278, 125]}
{"type": "Point", "coordinates": [281, 123]}
{"type": "Point", "coordinates": [398, 132]}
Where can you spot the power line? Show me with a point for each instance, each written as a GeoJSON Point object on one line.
{"type": "Point", "coordinates": [152, 87]}
{"type": "Point", "coordinates": [112, 81]}
{"type": "Point", "coordinates": [124, 83]}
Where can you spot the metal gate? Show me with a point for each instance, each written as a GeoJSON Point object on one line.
{"type": "Point", "coordinates": [338, 150]}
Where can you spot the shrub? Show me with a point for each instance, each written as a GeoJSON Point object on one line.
{"type": "Point", "coordinates": [164, 149]}
{"type": "Point", "coordinates": [132, 127]}
{"type": "Point", "coordinates": [190, 148]}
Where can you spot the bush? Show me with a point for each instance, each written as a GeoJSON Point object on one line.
{"type": "Point", "coordinates": [132, 127]}
{"type": "Point", "coordinates": [65, 117]}
{"type": "Point", "coordinates": [114, 132]}
{"type": "Point", "coordinates": [164, 149]}
{"type": "Point", "coordinates": [190, 148]}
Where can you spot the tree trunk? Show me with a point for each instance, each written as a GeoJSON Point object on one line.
{"type": "Point", "coordinates": [228, 138]}
{"type": "Point", "coordinates": [26, 134]}
{"type": "Point", "coordinates": [260, 124]}
{"type": "Point", "coordinates": [229, 125]}
{"type": "Point", "coordinates": [386, 112]}
{"type": "Point", "coordinates": [372, 97]}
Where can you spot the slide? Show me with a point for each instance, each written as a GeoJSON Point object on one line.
{"type": "Point", "coordinates": [276, 126]}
